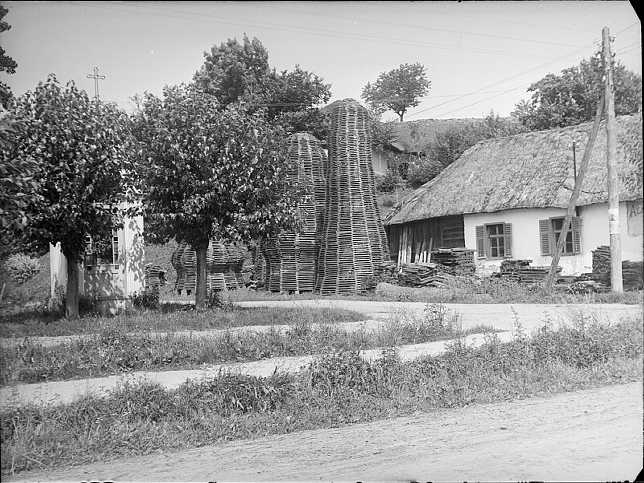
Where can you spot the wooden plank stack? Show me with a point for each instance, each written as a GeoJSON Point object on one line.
{"type": "Point", "coordinates": [291, 257]}
{"type": "Point", "coordinates": [601, 265]}
{"type": "Point", "coordinates": [521, 271]}
{"type": "Point", "coordinates": [456, 261]}
{"type": "Point", "coordinates": [224, 263]}
{"type": "Point", "coordinates": [154, 276]}
{"type": "Point", "coordinates": [354, 243]}
{"type": "Point", "coordinates": [632, 272]}
{"type": "Point", "coordinates": [422, 275]}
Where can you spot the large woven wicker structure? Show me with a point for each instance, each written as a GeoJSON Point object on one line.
{"type": "Point", "coordinates": [224, 267]}
{"type": "Point", "coordinates": [291, 257]}
{"type": "Point", "coordinates": [354, 243]}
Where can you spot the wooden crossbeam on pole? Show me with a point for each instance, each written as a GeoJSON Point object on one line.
{"type": "Point", "coordinates": [575, 194]}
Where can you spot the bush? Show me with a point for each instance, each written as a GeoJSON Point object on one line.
{"type": "Point", "coordinates": [421, 173]}
{"type": "Point", "coordinates": [389, 182]}
{"type": "Point", "coordinates": [22, 267]}
{"type": "Point", "coordinates": [148, 298]}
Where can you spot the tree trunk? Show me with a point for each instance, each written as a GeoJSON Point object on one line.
{"type": "Point", "coordinates": [202, 277]}
{"type": "Point", "coordinates": [71, 303]}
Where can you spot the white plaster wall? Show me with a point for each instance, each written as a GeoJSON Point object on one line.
{"type": "Point", "coordinates": [525, 237]}
{"type": "Point", "coordinates": [594, 232]}
{"type": "Point", "coordinates": [58, 270]}
{"type": "Point", "coordinates": [379, 161]}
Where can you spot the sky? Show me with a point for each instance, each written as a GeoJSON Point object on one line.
{"type": "Point", "coordinates": [479, 56]}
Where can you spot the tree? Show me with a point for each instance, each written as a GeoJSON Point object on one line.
{"type": "Point", "coordinates": [7, 64]}
{"type": "Point", "coordinates": [78, 152]}
{"type": "Point", "coordinates": [397, 89]}
{"type": "Point", "coordinates": [291, 99]}
{"type": "Point", "coordinates": [211, 173]}
{"type": "Point", "coordinates": [17, 185]}
{"type": "Point", "coordinates": [449, 144]}
{"type": "Point", "coordinates": [572, 97]}
{"type": "Point", "coordinates": [234, 72]}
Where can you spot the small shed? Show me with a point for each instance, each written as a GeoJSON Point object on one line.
{"type": "Point", "coordinates": [110, 276]}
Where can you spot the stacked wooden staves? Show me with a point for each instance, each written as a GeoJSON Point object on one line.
{"type": "Point", "coordinates": [632, 275]}
{"type": "Point", "coordinates": [353, 244]}
{"type": "Point", "coordinates": [291, 257]}
{"type": "Point", "coordinates": [631, 271]}
{"type": "Point", "coordinates": [154, 276]}
{"type": "Point", "coordinates": [423, 275]}
{"type": "Point", "coordinates": [521, 271]}
{"type": "Point", "coordinates": [223, 267]}
{"type": "Point", "coordinates": [456, 261]}
{"type": "Point", "coordinates": [601, 265]}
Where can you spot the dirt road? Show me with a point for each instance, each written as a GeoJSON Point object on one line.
{"type": "Point", "coordinates": [589, 435]}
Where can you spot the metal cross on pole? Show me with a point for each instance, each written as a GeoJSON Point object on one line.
{"type": "Point", "coordinates": [96, 78]}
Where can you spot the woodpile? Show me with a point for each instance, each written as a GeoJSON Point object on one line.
{"type": "Point", "coordinates": [154, 276]}
{"type": "Point", "coordinates": [601, 265]}
{"type": "Point", "coordinates": [353, 240]}
{"type": "Point", "coordinates": [521, 271]}
{"type": "Point", "coordinates": [291, 257]}
{"type": "Point", "coordinates": [456, 261]}
{"type": "Point", "coordinates": [632, 272]}
{"type": "Point", "coordinates": [224, 263]}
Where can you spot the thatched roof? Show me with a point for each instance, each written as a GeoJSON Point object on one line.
{"type": "Point", "coordinates": [532, 170]}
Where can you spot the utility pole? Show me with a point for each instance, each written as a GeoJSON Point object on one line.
{"type": "Point", "coordinates": [96, 78]}
{"type": "Point", "coordinates": [613, 186]}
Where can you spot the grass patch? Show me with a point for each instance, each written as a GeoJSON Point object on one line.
{"type": "Point", "coordinates": [169, 318]}
{"type": "Point", "coordinates": [493, 290]}
{"type": "Point", "coordinates": [338, 388]}
{"type": "Point", "coordinates": [116, 349]}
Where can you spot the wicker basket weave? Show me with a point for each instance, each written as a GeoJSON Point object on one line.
{"type": "Point", "coordinates": [223, 266]}
{"type": "Point", "coordinates": [354, 244]}
{"type": "Point", "coordinates": [291, 257]}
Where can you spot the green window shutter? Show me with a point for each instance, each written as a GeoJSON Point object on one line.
{"type": "Point", "coordinates": [544, 236]}
{"type": "Point", "coordinates": [576, 234]}
{"type": "Point", "coordinates": [507, 239]}
{"type": "Point", "coordinates": [480, 241]}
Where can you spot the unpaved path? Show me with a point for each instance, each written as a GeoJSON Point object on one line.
{"type": "Point", "coordinates": [591, 435]}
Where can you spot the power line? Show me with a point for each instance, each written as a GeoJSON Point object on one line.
{"type": "Point", "coordinates": [300, 30]}
{"type": "Point", "coordinates": [407, 26]}
{"type": "Point", "coordinates": [507, 79]}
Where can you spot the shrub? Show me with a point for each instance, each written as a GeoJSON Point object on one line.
{"type": "Point", "coordinates": [389, 182]}
{"type": "Point", "coordinates": [148, 298]}
{"type": "Point", "coordinates": [421, 173]}
{"type": "Point", "coordinates": [22, 267]}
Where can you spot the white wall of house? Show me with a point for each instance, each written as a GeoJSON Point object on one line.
{"type": "Point", "coordinates": [379, 160]}
{"type": "Point", "coordinates": [115, 284]}
{"type": "Point", "coordinates": [526, 241]}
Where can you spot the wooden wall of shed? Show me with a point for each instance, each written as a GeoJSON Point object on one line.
{"type": "Point", "coordinates": [445, 232]}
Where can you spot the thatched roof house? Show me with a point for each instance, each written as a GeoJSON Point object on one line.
{"type": "Point", "coordinates": [532, 170]}
{"type": "Point", "coordinates": [506, 198]}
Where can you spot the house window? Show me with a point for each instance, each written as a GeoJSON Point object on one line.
{"type": "Point", "coordinates": [494, 240]}
{"type": "Point", "coordinates": [102, 251]}
{"type": "Point", "coordinates": [549, 232]}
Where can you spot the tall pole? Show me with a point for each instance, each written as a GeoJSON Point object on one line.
{"type": "Point", "coordinates": [613, 186]}
{"type": "Point", "coordinates": [96, 78]}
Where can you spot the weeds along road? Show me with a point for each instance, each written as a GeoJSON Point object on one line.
{"type": "Point", "coordinates": [591, 435]}
{"type": "Point", "coordinates": [499, 316]}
